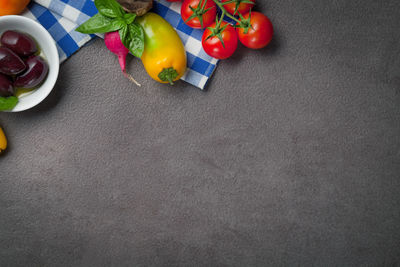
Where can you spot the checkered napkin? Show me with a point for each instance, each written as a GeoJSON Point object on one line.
{"type": "Point", "coordinates": [61, 17]}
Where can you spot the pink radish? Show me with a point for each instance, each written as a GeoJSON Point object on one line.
{"type": "Point", "coordinates": [114, 44]}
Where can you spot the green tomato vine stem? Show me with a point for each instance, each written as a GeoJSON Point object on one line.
{"type": "Point", "coordinates": [221, 6]}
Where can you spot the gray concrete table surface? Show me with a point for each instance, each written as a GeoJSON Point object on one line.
{"type": "Point", "coordinates": [291, 158]}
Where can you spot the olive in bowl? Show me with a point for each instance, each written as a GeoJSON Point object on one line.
{"type": "Point", "coordinates": [10, 63]}
{"type": "Point", "coordinates": [33, 44]}
{"type": "Point", "coordinates": [6, 86]}
{"type": "Point", "coordinates": [20, 43]}
{"type": "Point", "coordinates": [34, 75]}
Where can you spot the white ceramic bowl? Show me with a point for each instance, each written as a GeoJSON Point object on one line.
{"type": "Point", "coordinates": [48, 48]}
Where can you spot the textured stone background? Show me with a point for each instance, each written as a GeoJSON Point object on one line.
{"type": "Point", "coordinates": [291, 158]}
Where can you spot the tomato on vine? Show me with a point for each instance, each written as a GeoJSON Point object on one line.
{"type": "Point", "coordinates": [238, 6]}
{"type": "Point", "coordinates": [198, 13]}
{"type": "Point", "coordinates": [257, 30]}
{"type": "Point", "coordinates": [220, 40]}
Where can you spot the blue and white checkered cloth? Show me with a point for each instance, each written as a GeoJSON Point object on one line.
{"type": "Point", "coordinates": [61, 17]}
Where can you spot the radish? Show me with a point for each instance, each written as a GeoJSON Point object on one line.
{"type": "Point", "coordinates": [114, 44]}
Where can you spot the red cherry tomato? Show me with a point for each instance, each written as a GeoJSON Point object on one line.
{"type": "Point", "coordinates": [208, 17]}
{"type": "Point", "coordinates": [213, 45]}
{"type": "Point", "coordinates": [260, 34]}
{"type": "Point", "coordinates": [243, 8]}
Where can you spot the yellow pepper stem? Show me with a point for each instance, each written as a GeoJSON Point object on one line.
{"type": "Point", "coordinates": [168, 75]}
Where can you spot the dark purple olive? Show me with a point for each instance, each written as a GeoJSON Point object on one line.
{"type": "Point", "coordinates": [10, 63]}
{"type": "Point", "coordinates": [20, 43]}
{"type": "Point", "coordinates": [6, 87]}
{"type": "Point", "coordinates": [37, 71]}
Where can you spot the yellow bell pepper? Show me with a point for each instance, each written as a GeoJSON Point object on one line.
{"type": "Point", "coordinates": [164, 56]}
{"type": "Point", "coordinates": [3, 141]}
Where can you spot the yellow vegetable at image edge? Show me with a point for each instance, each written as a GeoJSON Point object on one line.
{"type": "Point", "coordinates": [164, 56]}
{"type": "Point", "coordinates": [3, 141]}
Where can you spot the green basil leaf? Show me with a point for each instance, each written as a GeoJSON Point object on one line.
{"type": "Point", "coordinates": [100, 24]}
{"type": "Point", "coordinates": [123, 34]}
{"type": "Point", "coordinates": [132, 37]}
{"type": "Point", "coordinates": [8, 103]}
{"type": "Point", "coordinates": [109, 8]}
{"type": "Point", "coordinates": [129, 17]}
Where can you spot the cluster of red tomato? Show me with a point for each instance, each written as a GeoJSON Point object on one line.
{"type": "Point", "coordinates": [253, 29]}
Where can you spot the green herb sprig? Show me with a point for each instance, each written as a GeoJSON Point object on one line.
{"type": "Point", "coordinates": [112, 17]}
{"type": "Point", "coordinates": [8, 103]}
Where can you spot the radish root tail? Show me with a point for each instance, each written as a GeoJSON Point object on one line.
{"type": "Point", "coordinates": [131, 78]}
